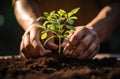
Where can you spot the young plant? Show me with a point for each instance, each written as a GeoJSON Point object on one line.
{"type": "Point", "coordinates": [59, 23]}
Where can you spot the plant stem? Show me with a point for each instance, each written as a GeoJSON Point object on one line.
{"type": "Point", "coordinates": [48, 40]}
{"type": "Point", "coordinates": [59, 50]}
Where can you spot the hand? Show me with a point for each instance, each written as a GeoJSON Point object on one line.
{"type": "Point", "coordinates": [31, 46]}
{"type": "Point", "coordinates": [82, 43]}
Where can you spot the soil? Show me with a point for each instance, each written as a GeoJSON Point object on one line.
{"type": "Point", "coordinates": [62, 67]}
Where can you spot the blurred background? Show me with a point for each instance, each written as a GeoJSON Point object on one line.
{"type": "Point", "coordinates": [11, 32]}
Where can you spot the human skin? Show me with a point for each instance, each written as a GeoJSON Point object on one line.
{"type": "Point", "coordinates": [83, 43]}
{"type": "Point", "coordinates": [31, 45]}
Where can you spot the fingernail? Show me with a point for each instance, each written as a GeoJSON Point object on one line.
{"type": "Point", "coordinates": [66, 52]}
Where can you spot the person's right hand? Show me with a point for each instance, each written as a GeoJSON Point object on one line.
{"type": "Point", "coordinates": [31, 46]}
{"type": "Point", "coordinates": [83, 43]}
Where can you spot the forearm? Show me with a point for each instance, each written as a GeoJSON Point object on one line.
{"type": "Point", "coordinates": [106, 21]}
{"type": "Point", "coordinates": [26, 12]}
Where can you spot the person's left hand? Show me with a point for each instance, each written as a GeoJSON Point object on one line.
{"type": "Point", "coordinates": [82, 43]}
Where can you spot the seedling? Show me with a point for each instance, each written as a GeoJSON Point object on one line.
{"type": "Point", "coordinates": [59, 23]}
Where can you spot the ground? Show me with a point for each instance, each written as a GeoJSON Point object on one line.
{"type": "Point", "coordinates": [59, 67]}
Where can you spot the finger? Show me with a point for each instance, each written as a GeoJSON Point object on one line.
{"type": "Point", "coordinates": [32, 51]}
{"type": "Point", "coordinates": [34, 39]}
{"type": "Point", "coordinates": [83, 45]}
{"type": "Point", "coordinates": [28, 46]}
{"type": "Point", "coordinates": [24, 45]}
{"type": "Point", "coordinates": [26, 39]}
{"type": "Point", "coordinates": [52, 45]}
{"type": "Point", "coordinates": [25, 54]}
{"type": "Point", "coordinates": [90, 50]}
{"type": "Point", "coordinates": [21, 50]}
{"type": "Point", "coordinates": [74, 41]}
{"type": "Point", "coordinates": [42, 53]}
{"type": "Point", "coordinates": [39, 48]}
{"type": "Point", "coordinates": [95, 52]}
{"type": "Point", "coordinates": [67, 39]}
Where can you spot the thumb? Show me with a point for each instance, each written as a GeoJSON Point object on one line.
{"type": "Point", "coordinates": [52, 45]}
{"type": "Point", "coordinates": [66, 40]}
{"type": "Point", "coordinates": [64, 43]}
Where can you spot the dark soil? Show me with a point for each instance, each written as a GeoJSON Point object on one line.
{"type": "Point", "coordinates": [50, 67]}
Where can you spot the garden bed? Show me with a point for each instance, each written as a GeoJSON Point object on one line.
{"type": "Point", "coordinates": [52, 67]}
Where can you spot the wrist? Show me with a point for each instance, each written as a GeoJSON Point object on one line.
{"type": "Point", "coordinates": [35, 24]}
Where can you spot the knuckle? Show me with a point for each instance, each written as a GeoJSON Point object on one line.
{"type": "Point", "coordinates": [70, 44]}
{"type": "Point", "coordinates": [33, 39]}
{"type": "Point", "coordinates": [85, 29]}
{"type": "Point", "coordinates": [25, 35]}
{"type": "Point", "coordinates": [34, 43]}
{"type": "Point", "coordinates": [75, 36]}
{"type": "Point", "coordinates": [94, 34]}
{"type": "Point", "coordinates": [36, 46]}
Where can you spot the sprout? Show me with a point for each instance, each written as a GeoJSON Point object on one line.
{"type": "Point", "coordinates": [60, 23]}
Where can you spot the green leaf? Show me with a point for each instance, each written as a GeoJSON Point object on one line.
{"type": "Point", "coordinates": [66, 15]}
{"type": "Point", "coordinates": [70, 21]}
{"type": "Point", "coordinates": [61, 12]}
{"type": "Point", "coordinates": [73, 12]}
{"type": "Point", "coordinates": [59, 23]}
{"type": "Point", "coordinates": [45, 23]}
{"type": "Point", "coordinates": [44, 35]}
{"type": "Point", "coordinates": [73, 17]}
{"type": "Point", "coordinates": [52, 16]}
{"type": "Point", "coordinates": [61, 31]}
{"type": "Point", "coordinates": [46, 14]}
{"type": "Point", "coordinates": [60, 19]}
{"type": "Point", "coordinates": [51, 13]}
{"type": "Point", "coordinates": [42, 27]}
{"type": "Point", "coordinates": [66, 34]}
{"type": "Point", "coordinates": [48, 39]}
{"type": "Point", "coordinates": [41, 18]}
{"type": "Point", "coordinates": [56, 25]}
{"type": "Point", "coordinates": [70, 27]}
{"type": "Point", "coordinates": [51, 27]}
